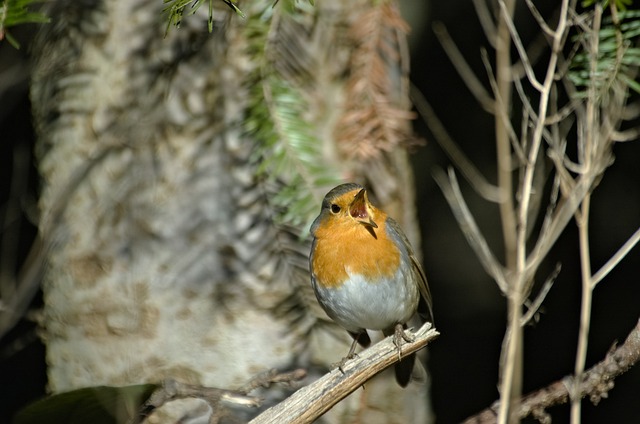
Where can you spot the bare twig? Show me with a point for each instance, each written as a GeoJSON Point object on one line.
{"type": "Point", "coordinates": [520, 154]}
{"type": "Point", "coordinates": [587, 147]}
{"type": "Point", "coordinates": [631, 134]}
{"type": "Point", "coordinates": [503, 110]}
{"type": "Point", "coordinates": [503, 151]}
{"type": "Point", "coordinates": [310, 402]}
{"type": "Point", "coordinates": [546, 287]}
{"type": "Point", "coordinates": [489, 27]}
{"type": "Point", "coordinates": [476, 240]}
{"type": "Point", "coordinates": [511, 355]}
{"type": "Point", "coordinates": [558, 223]}
{"type": "Point", "coordinates": [616, 258]}
{"type": "Point", "coordinates": [595, 383]}
{"type": "Point", "coordinates": [527, 182]}
{"type": "Point", "coordinates": [506, 15]}
{"type": "Point", "coordinates": [539, 19]}
{"type": "Point", "coordinates": [464, 70]}
{"type": "Point", "coordinates": [535, 49]}
{"type": "Point", "coordinates": [582, 220]}
{"type": "Point", "coordinates": [478, 181]}
{"type": "Point", "coordinates": [530, 112]}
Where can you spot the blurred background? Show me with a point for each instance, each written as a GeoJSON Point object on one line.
{"type": "Point", "coordinates": [470, 310]}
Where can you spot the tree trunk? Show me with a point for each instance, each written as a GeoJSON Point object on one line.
{"type": "Point", "coordinates": [167, 254]}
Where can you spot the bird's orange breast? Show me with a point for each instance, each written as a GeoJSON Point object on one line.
{"type": "Point", "coordinates": [344, 246]}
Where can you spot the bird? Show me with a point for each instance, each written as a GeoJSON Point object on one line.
{"type": "Point", "coordinates": [365, 273]}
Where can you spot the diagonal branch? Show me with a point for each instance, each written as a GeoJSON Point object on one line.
{"type": "Point", "coordinates": [616, 258]}
{"type": "Point", "coordinates": [559, 222]}
{"type": "Point", "coordinates": [533, 307]}
{"type": "Point", "coordinates": [464, 70]}
{"type": "Point", "coordinates": [524, 57]}
{"type": "Point", "coordinates": [310, 402]}
{"type": "Point", "coordinates": [486, 21]}
{"type": "Point", "coordinates": [467, 223]}
{"type": "Point", "coordinates": [539, 19]}
{"type": "Point", "coordinates": [471, 173]}
{"type": "Point", "coordinates": [595, 383]}
{"type": "Point", "coordinates": [502, 110]}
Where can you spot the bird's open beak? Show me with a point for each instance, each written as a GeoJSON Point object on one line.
{"type": "Point", "coordinates": [360, 209]}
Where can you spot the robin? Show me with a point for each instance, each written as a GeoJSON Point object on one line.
{"type": "Point", "coordinates": [364, 272]}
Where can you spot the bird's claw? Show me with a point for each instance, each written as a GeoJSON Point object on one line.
{"type": "Point", "coordinates": [399, 335]}
{"type": "Point", "coordinates": [340, 365]}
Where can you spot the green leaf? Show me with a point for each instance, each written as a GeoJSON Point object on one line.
{"type": "Point", "coordinates": [615, 58]}
{"type": "Point", "coordinates": [17, 12]}
{"type": "Point", "coordinates": [620, 4]}
{"type": "Point", "coordinates": [288, 152]}
{"type": "Point", "coordinates": [231, 4]}
{"type": "Point", "coordinates": [96, 405]}
{"type": "Point", "coordinates": [633, 84]}
{"type": "Point", "coordinates": [175, 10]}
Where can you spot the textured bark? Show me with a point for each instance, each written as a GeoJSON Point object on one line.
{"type": "Point", "coordinates": [164, 258]}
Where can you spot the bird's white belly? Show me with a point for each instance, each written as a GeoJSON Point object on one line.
{"type": "Point", "coordinates": [359, 304]}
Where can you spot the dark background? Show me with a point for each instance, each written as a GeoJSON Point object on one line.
{"type": "Point", "coordinates": [470, 310]}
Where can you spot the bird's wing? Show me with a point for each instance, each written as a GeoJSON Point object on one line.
{"type": "Point", "coordinates": [425, 308]}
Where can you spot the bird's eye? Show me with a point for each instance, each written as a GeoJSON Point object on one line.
{"type": "Point", "coordinates": [335, 208]}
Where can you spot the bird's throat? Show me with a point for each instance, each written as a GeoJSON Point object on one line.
{"type": "Point", "coordinates": [359, 211]}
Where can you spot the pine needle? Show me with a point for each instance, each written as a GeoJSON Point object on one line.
{"type": "Point", "coordinates": [288, 151]}
{"type": "Point", "coordinates": [374, 122]}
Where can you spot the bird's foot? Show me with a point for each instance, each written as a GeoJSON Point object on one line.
{"type": "Point", "coordinates": [352, 353]}
{"type": "Point", "coordinates": [399, 335]}
{"type": "Point", "coordinates": [340, 365]}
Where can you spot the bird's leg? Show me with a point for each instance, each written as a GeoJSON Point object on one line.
{"type": "Point", "coordinates": [399, 335]}
{"type": "Point", "coordinates": [351, 354]}
{"type": "Point", "coordinates": [352, 349]}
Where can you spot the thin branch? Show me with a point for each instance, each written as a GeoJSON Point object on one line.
{"type": "Point", "coordinates": [503, 141]}
{"type": "Point", "coordinates": [483, 187]}
{"type": "Point", "coordinates": [310, 402]}
{"type": "Point", "coordinates": [616, 258]}
{"type": "Point", "coordinates": [631, 111]}
{"type": "Point", "coordinates": [539, 19]}
{"type": "Point", "coordinates": [527, 183]}
{"type": "Point", "coordinates": [552, 205]}
{"type": "Point", "coordinates": [595, 383]}
{"type": "Point", "coordinates": [582, 220]}
{"type": "Point", "coordinates": [565, 112]}
{"type": "Point", "coordinates": [535, 49]}
{"type": "Point", "coordinates": [511, 354]}
{"type": "Point", "coordinates": [464, 70]}
{"type": "Point", "coordinates": [559, 222]}
{"type": "Point", "coordinates": [476, 240]}
{"type": "Point", "coordinates": [532, 308]}
{"type": "Point", "coordinates": [628, 135]}
{"type": "Point", "coordinates": [528, 110]}
{"type": "Point", "coordinates": [511, 359]}
{"type": "Point", "coordinates": [486, 21]}
{"type": "Point", "coordinates": [519, 47]}
{"type": "Point", "coordinates": [544, 99]}
{"type": "Point", "coordinates": [502, 110]}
